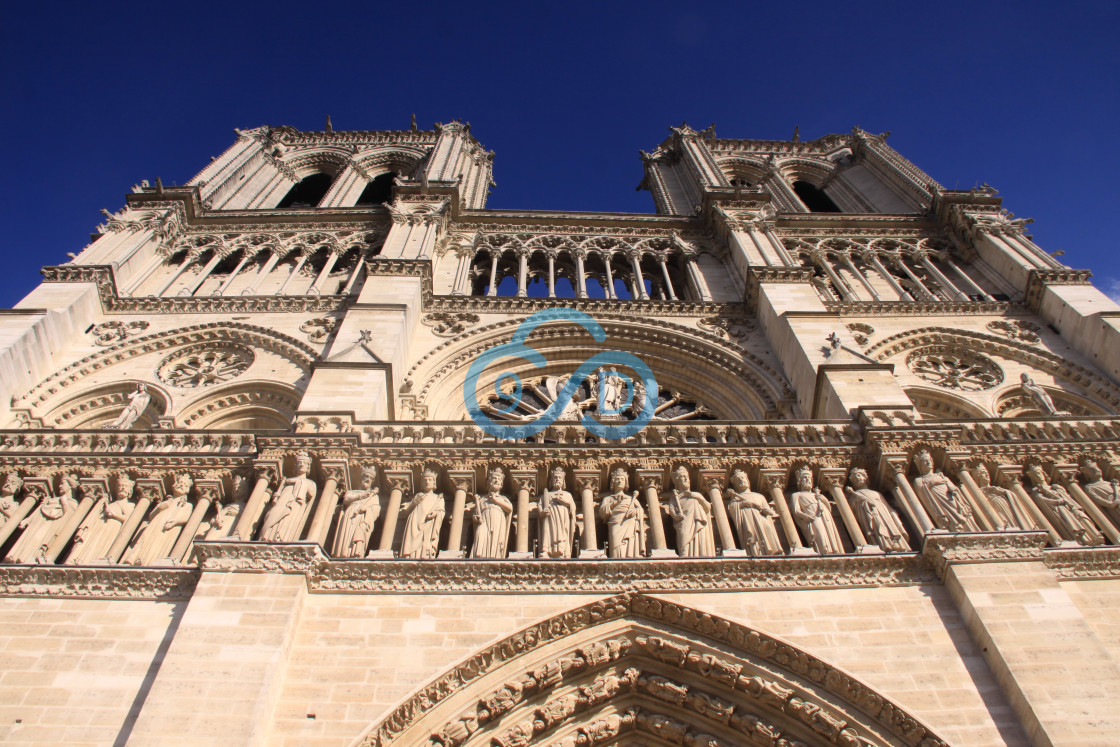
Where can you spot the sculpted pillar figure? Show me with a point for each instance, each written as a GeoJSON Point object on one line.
{"type": "Point", "coordinates": [1104, 494]}
{"type": "Point", "coordinates": [692, 517]}
{"type": "Point", "coordinates": [491, 512]}
{"type": "Point", "coordinates": [1038, 395]}
{"type": "Point", "coordinates": [96, 534]}
{"type": "Point", "coordinates": [753, 517]}
{"type": "Point", "coordinates": [8, 503]}
{"type": "Point", "coordinates": [879, 522]}
{"type": "Point", "coordinates": [41, 527]}
{"type": "Point", "coordinates": [425, 514]}
{"type": "Point", "coordinates": [137, 403]}
{"type": "Point", "coordinates": [945, 502]}
{"type": "Point", "coordinates": [159, 533]}
{"type": "Point", "coordinates": [360, 509]}
{"type": "Point", "coordinates": [291, 504]}
{"type": "Point", "coordinates": [1005, 505]}
{"type": "Point", "coordinates": [625, 518]}
{"type": "Point", "coordinates": [224, 522]}
{"type": "Point", "coordinates": [556, 517]}
{"type": "Point", "coordinates": [1069, 518]}
{"type": "Point", "coordinates": [813, 514]}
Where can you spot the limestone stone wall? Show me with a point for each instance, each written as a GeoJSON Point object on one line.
{"type": "Point", "coordinates": [1098, 601]}
{"type": "Point", "coordinates": [77, 671]}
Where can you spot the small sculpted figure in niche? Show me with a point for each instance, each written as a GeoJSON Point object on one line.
{"type": "Point", "coordinates": [159, 533]}
{"type": "Point", "coordinates": [425, 517]}
{"type": "Point", "coordinates": [291, 504]}
{"type": "Point", "coordinates": [491, 512]}
{"type": "Point", "coordinates": [1070, 517]}
{"type": "Point", "coordinates": [1104, 494]}
{"type": "Point", "coordinates": [360, 509]}
{"type": "Point", "coordinates": [8, 502]}
{"type": "Point", "coordinates": [813, 514]}
{"type": "Point", "coordinates": [1009, 514]}
{"type": "Point", "coordinates": [942, 497]}
{"type": "Point", "coordinates": [625, 519]}
{"type": "Point", "coordinates": [880, 524]}
{"type": "Point", "coordinates": [43, 525]}
{"type": "Point", "coordinates": [753, 517]}
{"type": "Point", "coordinates": [96, 534]}
{"type": "Point", "coordinates": [1038, 395]}
{"type": "Point", "coordinates": [556, 517]}
{"type": "Point", "coordinates": [692, 517]}
{"type": "Point", "coordinates": [137, 403]}
{"type": "Point", "coordinates": [225, 520]}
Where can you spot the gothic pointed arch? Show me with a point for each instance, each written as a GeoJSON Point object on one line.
{"type": "Point", "coordinates": [254, 405]}
{"type": "Point", "coordinates": [226, 351]}
{"type": "Point", "coordinates": [99, 406]}
{"type": "Point", "coordinates": [1095, 393]}
{"type": "Point", "coordinates": [734, 383]}
{"type": "Point", "coordinates": [636, 669]}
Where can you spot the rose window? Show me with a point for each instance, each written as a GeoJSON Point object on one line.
{"type": "Point", "coordinates": [193, 368]}
{"type": "Point", "coordinates": [955, 370]}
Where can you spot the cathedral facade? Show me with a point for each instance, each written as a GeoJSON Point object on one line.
{"type": "Point", "coordinates": [318, 450]}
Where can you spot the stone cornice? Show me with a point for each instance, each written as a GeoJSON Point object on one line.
{"type": "Point", "coordinates": [916, 308]}
{"type": "Point", "coordinates": [1083, 562]}
{"type": "Point", "coordinates": [104, 582]}
{"type": "Point", "coordinates": [263, 557]}
{"type": "Point", "coordinates": [1038, 280]}
{"type": "Point", "coordinates": [510, 305]}
{"type": "Point", "coordinates": [945, 549]}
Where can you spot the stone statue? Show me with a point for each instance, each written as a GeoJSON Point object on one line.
{"type": "Point", "coordinates": [360, 509]}
{"type": "Point", "coordinates": [1104, 494]}
{"type": "Point", "coordinates": [491, 512]}
{"type": "Point", "coordinates": [43, 525]}
{"type": "Point", "coordinates": [425, 517]}
{"type": "Point", "coordinates": [692, 517]}
{"type": "Point", "coordinates": [225, 520]}
{"type": "Point", "coordinates": [159, 533]}
{"type": "Point", "coordinates": [943, 499]}
{"type": "Point", "coordinates": [96, 534]}
{"type": "Point", "coordinates": [1038, 395]}
{"type": "Point", "coordinates": [813, 514]}
{"type": "Point", "coordinates": [1069, 517]}
{"type": "Point", "coordinates": [291, 504]}
{"type": "Point", "coordinates": [1009, 514]}
{"type": "Point", "coordinates": [613, 387]}
{"type": "Point", "coordinates": [556, 517]}
{"type": "Point", "coordinates": [880, 524]}
{"type": "Point", "coordinates": [625, 519]}
{"type": "Point", "coordinates": [753, 517]}
{"type": "Point", "coordinates": [8, 502]}
{"type": "Point", "coordinates": [137, 403]}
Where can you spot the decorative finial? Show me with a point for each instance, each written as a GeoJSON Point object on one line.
{"type": "Point", "coordinates": [329, 128]}
{"type": "Point", "coordinates": [413, 125]}
{"type": "Point", "coordinates": [796, 134]}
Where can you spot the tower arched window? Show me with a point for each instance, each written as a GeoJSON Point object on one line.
{"type": "Point", "coordinates": [308, 193]}
{"type": "Point", "coordinates": [378, 191]}
{"type": "Point", "coordinates": [815, 199]}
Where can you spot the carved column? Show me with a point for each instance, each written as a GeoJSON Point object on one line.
{"type": "Point", "coordinates": [266, 268]}
{"type": "Point", "coordinates": [203, 275]}
{"type": "Point", "coordinates": [463, 480]}
{"type": "Point", "coordinates": [696, 280]}
{"type": "Point", "coordinates": [774, 480]}
{"type": "Point", "coordinates": [551, 275]}
{"type": "Point", "coordinates": [291, 276]}
{"type": "Point", "coordinates": [492, 289]}
{"type": "Point", "coordinates": [233, 275]}
{"type": "Point", "coordinates": [610, 277]}
{"type": "Point", "coordinates": [989, 522]}
{"type": "Point", "coordinates": [832, 480]}
{"type": "Point", "coordinates": [713, 480]}
{"type": "Point", "coordinates": [903, 295]}
{"type": "Point", "coordinates": [588, 483]}
{"type": "Point", "coordinates": [1067, 474]}
{"type": "Point", "coordinates": [907, 498]}
{"type": "Point", "coordinates": [148, 489]}
{"type": "Point", "coordinates": [187, 262]}
{"type": "Point", "coordinates": [400, 482]}
{"type": "Point", "coordinates": [851, 265]}
{"type": "Point", "coordinates": [268, 473]}
{"type": "Point", "coordinates": [209, 491]}
{"type": "Point", "coordinates": [526, 482]}
{"type": "Point", "coordinates": [939, 276]}
{"type": "Point", "coordinates": [581, 273]}
{"type": "Point", "coordinates": [665, 273]}
{"type": "Point", "coordinates": [522, 272]}
{"type": "Point", "coordinates": [35, 489]}
{"type": "Point", "coordinates": [336, 472]}
{"type": "Point", "coordinates": [1013, 475]}
{"type": "Point", "coordinates": [94, 490]}
{"type": "Point", "coordinates": [639, 280]}
{"type": "Point", "coordinates": [650, 480]}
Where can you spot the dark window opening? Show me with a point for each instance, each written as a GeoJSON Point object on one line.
{"type": "Point", "coordinates": [743, 183]}
{"type": "Point", "coordinates": [378, 191]}
{"type": "Point", "coordinates": [815, 199]}
{"type": "Point", "coordinates": [308, 193]}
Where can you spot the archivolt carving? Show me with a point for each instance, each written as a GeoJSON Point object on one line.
{"type": "Point", "coordinates": [638, 662]}
{"type": "Point", "coordinates": [272, 405]}
{"type": "Point", "coordinates": [101, 404]}
{"type": "Point", "coordinates": [933, 405]}
{"type": "Point", "coordinates": [299, 353]}
{"type": "Point", "coordinates": [1043, 360]}
{"type": "Point", "coordinates": [677, 348]}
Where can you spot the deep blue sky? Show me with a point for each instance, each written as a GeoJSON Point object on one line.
{"type": "Point", "coordinates": [1023, 96]}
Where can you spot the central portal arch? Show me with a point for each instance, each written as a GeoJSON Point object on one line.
{"type": "Point", "coordinates": [635, 669]}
